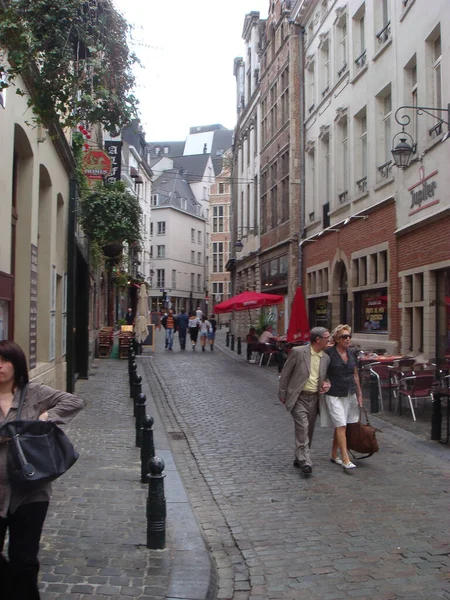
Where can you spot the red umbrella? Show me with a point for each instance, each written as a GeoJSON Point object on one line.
{"type": "Point", "coordinates": [298, 330]}
{"type": "Point", "coordinates": [246, 301]}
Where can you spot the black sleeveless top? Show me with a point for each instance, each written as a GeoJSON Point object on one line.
{"type": "Point", "coordinates": [340, 373]}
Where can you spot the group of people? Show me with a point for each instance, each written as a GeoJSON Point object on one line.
{"type": "Point", "coordinates": [322, 377]}
{"type": "Point", "coordinates": [259, 344]}
{"type": "Point", "coordinates": [194, 324]}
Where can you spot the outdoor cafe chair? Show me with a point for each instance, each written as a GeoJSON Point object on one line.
{"type": "Point", "coordinates": [414, 388]}
{"type": "Point", "coordinates": [269, 350]}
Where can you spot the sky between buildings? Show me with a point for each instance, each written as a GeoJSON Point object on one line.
{"type": "Point", "coordinates": [187, 49]}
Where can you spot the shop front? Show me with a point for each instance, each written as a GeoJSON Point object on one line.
{"type": "Point", "coordinates": [274, 279]}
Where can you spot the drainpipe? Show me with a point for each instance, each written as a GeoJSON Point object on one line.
{"type": "Point", "coordinates": [71, 271]}
{"type": "Point", "coordinates": [301, 30]}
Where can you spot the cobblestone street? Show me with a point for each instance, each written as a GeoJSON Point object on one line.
{"type": "Point", "coordinates": [382, 532]}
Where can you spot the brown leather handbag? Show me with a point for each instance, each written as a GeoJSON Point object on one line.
{"type": "Point", "coordinates": [361, 437]}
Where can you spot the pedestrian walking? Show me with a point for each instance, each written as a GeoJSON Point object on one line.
{"type": "Point", "coordinates": [199, 313]}
{"type": "Point", "coordinates": [205, 326]}
{"type": "Point", "coordinates": [341, 403]}
{"type": "Point", "coordinates": [212, 332]}
{"type": "Point", "coordinates": [182, 322]}
{"type": "Point", "coordinates": [22, 513]}
{"type": "Point", "coordinates": [302, 380]}
{"type": "Point", "coordinates": [193, 328]}
{"type": "Point", "coordinates": [129, 317]}
{"type": "Point", "coordinates": [169, 322]}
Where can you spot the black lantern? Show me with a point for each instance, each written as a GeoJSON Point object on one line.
{"type": "Point", "coordinates": [403, 151]}
{"type": "Point", "coordinates": [238, 245]}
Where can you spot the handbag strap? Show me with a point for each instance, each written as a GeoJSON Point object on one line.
{"type": "Point", "coordinates": [23, 392]}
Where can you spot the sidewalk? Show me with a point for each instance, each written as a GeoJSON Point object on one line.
{"type": "Point", "coordinates": [94, 540]}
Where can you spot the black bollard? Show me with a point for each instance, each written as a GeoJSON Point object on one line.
{"type": "Point", "coordinates": [140, 418]}
{"type": "Point", "coordinates": [374, 399]}
{"type": "Point", "coordinates": [131, 357]}
{"type": "Point", "coordinates": [239, 347]}
{"type": "Point", "coordinates": [137, 389]}
{"type": "Point", "coordinates": [232, 342]}
{"type": "Point", "coordinates": [436, 419]}
{"type": "Point", "coordinates": [147, 448]}
{"type": "Point", "coordinates": [156, 505]}
{"type": "Point", "coordinates": [227, 340]}
{"type": "Point", "coordinates": [133, 374]}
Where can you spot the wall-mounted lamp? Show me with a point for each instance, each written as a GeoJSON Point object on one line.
{"type": "Point", "coordinates": [238, 245]}
{"type": "Point", "coordinates": [348, 219]}
{"type": "Point", "coordinates": [403, 151]}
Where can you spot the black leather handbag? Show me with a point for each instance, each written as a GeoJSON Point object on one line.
{"type": "Point", "coordinates": [38, 451]}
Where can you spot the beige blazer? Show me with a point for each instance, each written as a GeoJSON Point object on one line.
{"type": "Point", "coordinates": [296, 372]}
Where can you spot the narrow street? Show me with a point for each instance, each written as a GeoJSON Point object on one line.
{"type": "Point", "coordinates": [381, 532]}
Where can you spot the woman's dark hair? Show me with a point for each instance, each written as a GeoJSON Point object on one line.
{"type": "Point", "coordinates": [14, 354]}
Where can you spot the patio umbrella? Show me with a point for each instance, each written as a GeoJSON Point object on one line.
{"type": "Point", "coordinates": [246, 301]}
{"type": "Point", "coordinates": [140, 325]}
{"type": "Point", "coordinates": [298, 330]}
{"type": "Point", "coordinates": [142, 307]}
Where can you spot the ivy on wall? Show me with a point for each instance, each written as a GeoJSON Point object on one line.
{"type": "Point", "coordinates": [74, 57]}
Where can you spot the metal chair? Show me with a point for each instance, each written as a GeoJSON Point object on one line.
{"type": "Point", "coordinates": [415, 387]}
{"type": "Point", "coordinates": [268, 351]}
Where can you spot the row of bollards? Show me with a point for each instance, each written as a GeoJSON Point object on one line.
{"type": "Point", "coordinates": [229, 342]}
{"type": "Point", "coordinates": [152, 467]}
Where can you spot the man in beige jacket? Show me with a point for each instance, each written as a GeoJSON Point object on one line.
{"type": "Point", "coordinates": [302, 381]}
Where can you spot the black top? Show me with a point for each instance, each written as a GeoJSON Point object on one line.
{"type": "Point", "coordinates": [340, 373]}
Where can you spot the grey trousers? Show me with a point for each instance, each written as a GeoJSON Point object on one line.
{"type": "Point", "coordinates": [304, 414]}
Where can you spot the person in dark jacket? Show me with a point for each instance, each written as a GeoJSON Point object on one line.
{"type": "Point", "coordinates": [182, 323]}
{"type": "Point", "coordinates": [345, 394]}
{"type": "Point", "coordinates": [169, 322]}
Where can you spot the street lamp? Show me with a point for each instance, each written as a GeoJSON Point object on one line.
{"type": "Point", "coordinates": [238, 245]}
{"type": "Point", "coordinates": [403, 150]}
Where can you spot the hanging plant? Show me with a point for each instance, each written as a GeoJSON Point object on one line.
{"type": "Point", "coordinates": [111, 213]}
{"type": "Point", "coordinates": [73, 56]}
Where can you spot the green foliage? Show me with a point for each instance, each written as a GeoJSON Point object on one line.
{"type": "Point", "coordinates": [111, 214]}
{"type": "Point", "coordinates": [75, 59]}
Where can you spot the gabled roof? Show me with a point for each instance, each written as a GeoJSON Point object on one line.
{"type": "Point", "coordinates": [174, 191]}
{"type": "Point", "coordinates": [173, 148]}
{"type": "Point", "coordinates": [193, 166]}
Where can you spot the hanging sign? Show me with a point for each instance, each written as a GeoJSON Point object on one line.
{"type": "Point", "coordinates": [114, 151]}
{"type": "Point", "coordinates": [96, 164]}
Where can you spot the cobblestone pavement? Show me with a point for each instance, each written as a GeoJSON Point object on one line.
{"type": "Point", "coordinates": [381, 532]}
{"type": "Point", "coordinates": [94, 538]}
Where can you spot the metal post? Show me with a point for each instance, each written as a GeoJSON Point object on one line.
{"type": "Point", "coordinates": [239, 347]}
{"type": "Point", "coordinates": [140, 418]}
{"type": "Point", "coordinates": [374, 400]}
{"type": "Point", "coordinates": [232, 342]}
{"type": "Point", "coordinates": [133, 374]}
{"type": "Point", "coordinates": [137, 389]}
{"type": "Point", "coordinates": [147, 448]}
{"type": "Point", "coordinates": [436, 418]}
{"type": "Point", "coordinates": [227, 341]}
{"type": "Point", "coordinates": [156, 505]}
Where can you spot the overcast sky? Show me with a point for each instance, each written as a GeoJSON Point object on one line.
{"type": "Point", "coordinates": [187, 49]}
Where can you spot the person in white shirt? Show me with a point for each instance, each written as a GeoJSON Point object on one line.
{"type": "Point", "coordinates": [199, 313]}
{"type": "Point", "coordinates": [205, 326]}
{"type": "Point", "coordinates": [266, 335]}
{"type": "Point", "coordinates": [193, 328]}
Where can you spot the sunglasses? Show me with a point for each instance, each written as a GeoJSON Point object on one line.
{"type": "Point", "coordinates": [346, 336]}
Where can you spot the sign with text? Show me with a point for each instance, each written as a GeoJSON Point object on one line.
{"type": "Point", "coordinates": [96, 164]}
{"type": "Point", "coordinates": [114, 151]}
{"type": "Point", "coordinates": [375, 313]}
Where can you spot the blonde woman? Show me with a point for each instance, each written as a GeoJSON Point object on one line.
{"type": "Point", "coordinates": [344, 395]}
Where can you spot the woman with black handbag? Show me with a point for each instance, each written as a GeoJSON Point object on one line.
{"type": "Point", "coordinates": [23, 511]}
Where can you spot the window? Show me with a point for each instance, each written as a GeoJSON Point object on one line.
{"type": "Point", "coordinates": [285, 187]}
{"type": "Point", "coordinates": [160, 251]}
{"type": "Point", "coordinates": [361, 151]}
{"type": "Point", "coordinates": [264, 202]}
{"type": "Point", "coordinates": [341, 50]}
{"type": "Point", "coordinates": [273, 115]}
{"type": "Point", "coordinates": [151, 251]}
{"type": "Point", "coordinates": [161, 227]}
{"type": "Point", "coordinates": [218, 218]}
{"type": "Point", "coordinates": [192, 281]}
{"type": "Point", "coordinates": [217, 291]}
{"type": "Point", "coordinates": [193, 235]}
{"type": "Point", "coordinates": [371, 311]}
{"type": "Point", "coordinates": [154, 200]}
{"type": "Point", "coordinates": [384, 139]}
{"type": "Point", "coordinates": [151, 229]}
{"type": "Point", "coordinates": [325, 65]}
{"type": "Point", "coordinates": [199, 283]}
{"type": "Point", "coordinates": [174, 279]}
{"type": "Point", "coordinates": [160, 278]}
{"type": "Point", "coordinates": [217, 257]}
{"type": "Point", "coordinates": [382, 20]}
{"type": "Point", "coordinates": [273, 195]}
{"type": "Point", "coordinates": [192, 256]}
{"type": "Point", "coordinates": [221, 188]}
{"type": "Point", "coordinates": [343, 158]}
{"type": "Point", "coordinates": [199, 237]}
{"type": "Point", "coordinates": [411, 95]}
{"type": "Point", "coordinates": [199, 258]}
{"type": "Point", "coordinates": [359, 38]}
{"type": "Point", "coordinates": [284, 96]}
{"type": "Point", "coordinates": [207, 240]}
{"type": "Point", "coordinates": [311, 200]}
{"type": "Point", "coordinates": [311, 83]}
{"type": "Point", "coordinates": [437, 72]}
{"type": "Point", "coordinates": [387, 126]}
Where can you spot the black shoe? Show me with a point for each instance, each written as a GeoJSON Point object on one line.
{"type": "Point", "coordinates": [296, 464]}
{"type": "Point", "coordinates": [203, 348]}
{"type": "Point", "coordinates": [306, 470]}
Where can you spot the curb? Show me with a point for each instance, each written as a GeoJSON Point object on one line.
{"type": "Point", "coordinates": [193, 574]}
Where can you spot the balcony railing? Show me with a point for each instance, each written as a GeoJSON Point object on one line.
{"type": "Point", "coordinates": [342, 70]}
{"type": "Point", "coordinates": [343, 197]}
{"type": "Point", "coordinates": [362, 184]}
{"type": "Point", "coordinates": [361, 60]}
{"type": "Point", "coordinates": [385, 169]}
{"type": "Point", "coordinates": [384, 34]}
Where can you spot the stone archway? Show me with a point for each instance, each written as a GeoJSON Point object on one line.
{"type": "Point", "coordinates": [341, 312]}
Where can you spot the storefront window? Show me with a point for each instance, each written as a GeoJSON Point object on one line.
{"type": "Point", "coordinates": [443, 315]}
{"type": "Point", "coordinates": [319, 312]}
{"type": "Point", "coordinates": [4, 314]}
{"type": "Point", "coordinates": [371, 311]}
